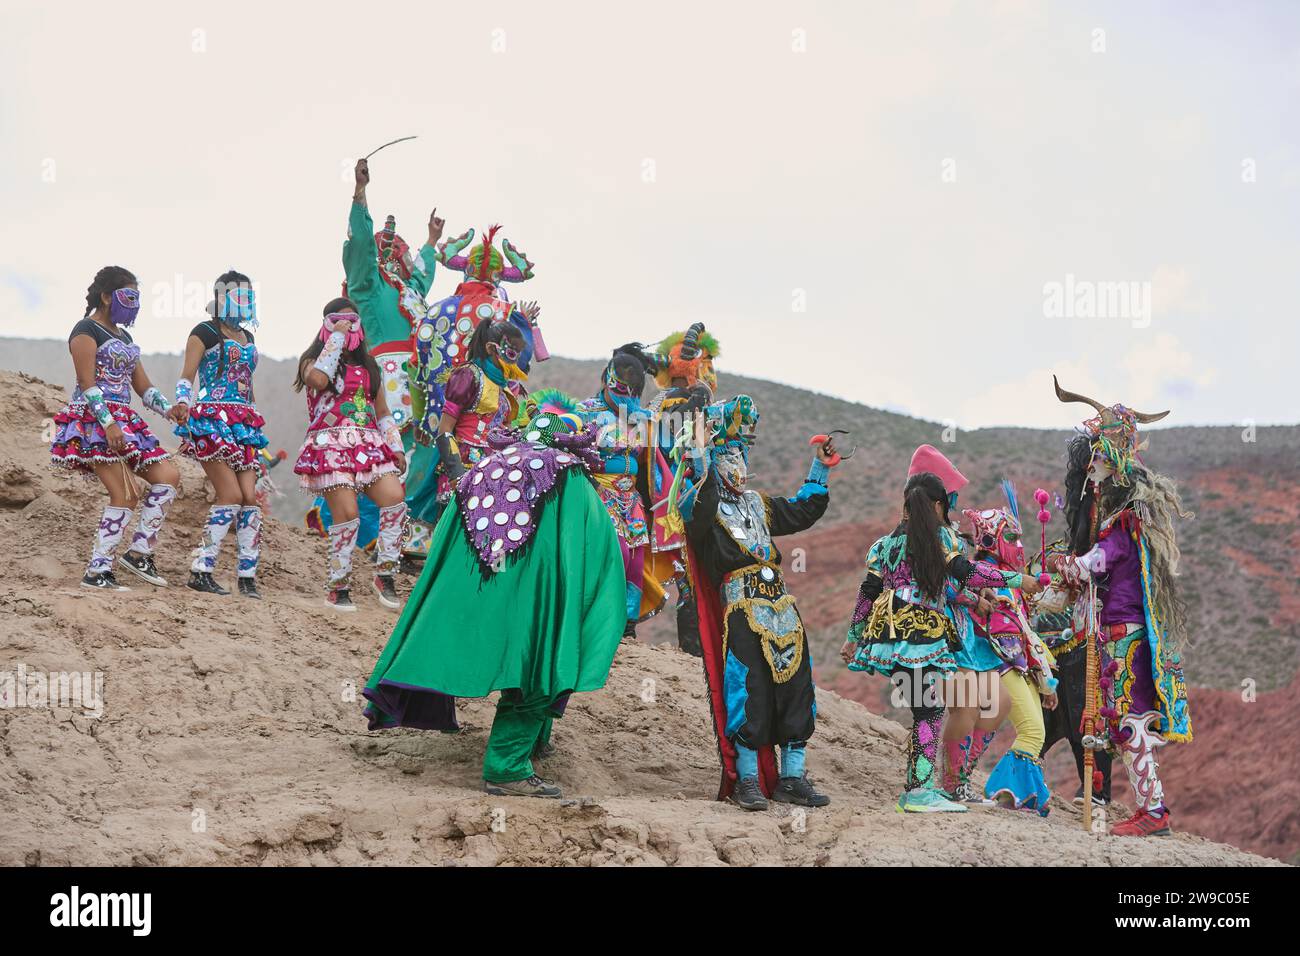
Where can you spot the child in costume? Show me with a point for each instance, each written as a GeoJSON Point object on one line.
{"type": "Point", "coordinates": [757, 664]}
{"type": "Point", "coordinates": [98, 433]}
{"type": "Point", "coordinates": [1131, 572]}
{"type": "Point", "coordinates": [1026, 664]}
{"type": "Point", "coordinates": [522, 593]}
{"type": "Point", "coordinates": [902, 627]}
{"type": "Point", "coordinates": [222, 429]}
{"type": "Point", "coordinates": [353, 447]}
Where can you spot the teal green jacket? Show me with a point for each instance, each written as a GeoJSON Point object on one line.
{"type": "Point", "coordinates": [378, 300]}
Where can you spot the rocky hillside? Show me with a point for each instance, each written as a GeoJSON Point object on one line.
{"type": "Point", "coordinates": [231, 733]}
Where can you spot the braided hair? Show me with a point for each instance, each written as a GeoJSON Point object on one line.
{"type": "Point", "coordinates": [108, 279]}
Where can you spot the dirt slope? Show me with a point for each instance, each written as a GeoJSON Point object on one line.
{"type": "Point", "coordinates": [231, 733]}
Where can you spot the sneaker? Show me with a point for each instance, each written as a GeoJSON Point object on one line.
{"type": "Point", "coordinates": [248, 588]}
{"type": "Point", "coordinates": [1143, 824]}
{"type": "Point", "coordinates": [966, 793]}
{"type": "Point", "coordinates": [204, 582]}
{"type": "Point", "coordinates": [103, 581]}
{"type": "Point", "coordinates": [340, 600]}
{"type": "Point", "coordinates": [748, 795]}
{"type": "Point", "coordinates": [800, 791]}
{"type": "Point", "coordinates": [925, 800]}
{"type": "Point", "coordinates": [142, 565]}
{"type": "Point", "coordinates": [534, 786]}
{"type": "Point", "coordinates": [410, 566]}
{"type": "Point", "coordinates": [382, 585]}
{"type": "Point", "coordinates": [1098, 800]}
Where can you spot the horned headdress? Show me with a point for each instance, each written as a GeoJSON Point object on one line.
{"type": "Point", "coordinates": [484, 262]}
{"type": "Point", "coordinates": [1113, 431]}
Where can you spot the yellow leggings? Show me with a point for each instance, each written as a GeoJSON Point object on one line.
{"type": "Point", "coordinates": [1026, 713]}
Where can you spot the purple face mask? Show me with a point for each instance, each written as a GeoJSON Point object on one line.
{"type": "Point", "coordinates": [123, 307]}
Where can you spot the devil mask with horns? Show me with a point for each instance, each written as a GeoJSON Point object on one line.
{"type": "Point", "coordinates": [485, 263]}
{"type": "Point", "coordinates": [1114, 435]}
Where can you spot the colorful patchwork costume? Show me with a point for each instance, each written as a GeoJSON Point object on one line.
{"type": "Point", "coordinates": [522, 593]}
{"type": "Point", "coordinates": [441, 349]}
{"type": "Point", "coordinates": [903, 633]}
{"type": "Point", "coordinates": [757, 663]}
{"type": "Point", "coordinates": [1131, 573]}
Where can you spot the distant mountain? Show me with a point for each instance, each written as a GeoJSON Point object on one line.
{"type": "Point", "coordinates": [1241, 554]}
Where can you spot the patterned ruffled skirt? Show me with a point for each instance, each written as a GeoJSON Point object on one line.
{"type": "Point", "coordinates": [80, 442]}
{"type": "Point", "coordinates": [229, 432]}
{"type": "Point", "coordinates": [345, 457]}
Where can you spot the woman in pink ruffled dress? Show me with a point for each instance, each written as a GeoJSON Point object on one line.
{"type": "Point", "coordinates": [353, 446]}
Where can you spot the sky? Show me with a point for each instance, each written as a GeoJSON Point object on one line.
{"type": "Point", "coordinates": [925, 207]}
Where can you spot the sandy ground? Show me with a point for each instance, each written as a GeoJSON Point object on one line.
{"type": "Point", "coordinates": [232, 733]}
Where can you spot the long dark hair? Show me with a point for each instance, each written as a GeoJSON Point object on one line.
{"type": "Point", "coordinates": [107, 279]}
{"type": "Point", "coordinates": [493, 333]}
{"type": "Point", "coordinates": [356, 356]}
{"type": "Point", "coordinates": [924, 550]}
{"type": "Point", "coordinates": [1079, 494]}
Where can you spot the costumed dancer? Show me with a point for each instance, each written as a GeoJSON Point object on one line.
{"type": "Point", "coordinates": [631, 469]}
{"type": "Point", "coordinates": [902, 627]}
{"type": "Point", "coordinates": [1026, 665]}
{"type": "Point", "coordinates": [975, 707]}
{"type": "Point", "coordinates": [687, 382]}
{"type": "Point", "coordinates": [757, 663]}
{"type": "Point", "coordinates": [1133, 568]}
{"type": "Point", "coordinates": [353, 447]}
{"type": "Point", "coordinates": [98, 433]}
{"type": "Point", "coordinates": [222, 429]}
{"type": "Point", "coordinates": [522, 593]}
{"type": "Point", "coordinates": [388, 286]}
{"type": "Point", "coordinates": [442, 344]}
{"type": "Point", "coordinates": [1054, 621]}
{"type": "Point", "coordinates": [481, 397]}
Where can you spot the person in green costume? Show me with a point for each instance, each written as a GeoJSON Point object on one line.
{"type": "Point", "coordinates": [522, 593]}
{"type": "Point", "coordinates": [388, 287]}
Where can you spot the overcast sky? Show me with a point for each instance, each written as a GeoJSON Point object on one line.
{"type": "Point", "coordinates": [908, 205]}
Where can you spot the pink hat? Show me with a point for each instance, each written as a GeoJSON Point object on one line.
{"type": "Point", "coordinates": [928, 458]}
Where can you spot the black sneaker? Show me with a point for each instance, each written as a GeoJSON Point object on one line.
{"type": "Point", "coordinates": [340, 599]}
{"type": "Point", "coordinates": [142, 565]}
{"type": "Point", "coordinates": [410, 566]}
{"type": "Point", "coordinates": [103, 581]}
{"type": "Point", "coordinates": [204, 581]}
{"type": "Point", "coordinates": [800, 791]}
{"type": "Point", "coordinates": [748, 795]}
{"type": "Point", "coordinates": [248, 588]}
{"type": "Point", "coordinates": [534, 786]}
{"type": "Point", "coordinates": [1098, 800]}
{"type": "Point", "coordinates": [629, 632]}
{"type": "Point", "coordinates": [382, 585]}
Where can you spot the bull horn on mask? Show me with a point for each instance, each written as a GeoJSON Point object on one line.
{"type": "Point", "coordinates": [1067, 397]}
{"type": "Point", "coordinates": [691, 342]}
